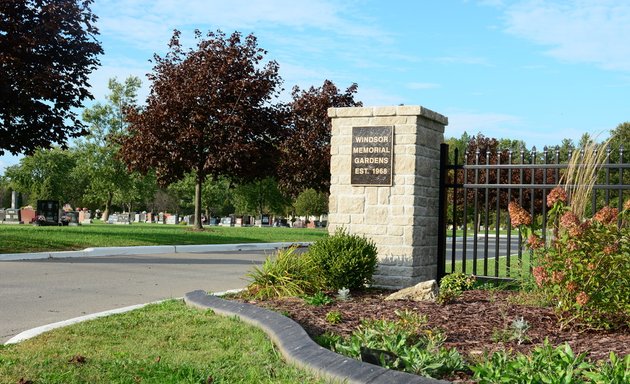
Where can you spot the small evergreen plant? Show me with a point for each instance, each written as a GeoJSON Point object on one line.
{"type": "Point", "coordinates": [344, 260]}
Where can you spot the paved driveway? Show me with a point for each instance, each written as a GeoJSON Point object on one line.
{"type": "Point", "coordinates": [39, 292]}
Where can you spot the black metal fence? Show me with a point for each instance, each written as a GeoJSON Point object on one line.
{"type": "Point", "coordinates": [475, 234]}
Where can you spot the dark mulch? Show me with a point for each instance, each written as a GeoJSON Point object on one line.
{"type": "Point", "coordinates": [469, 323]}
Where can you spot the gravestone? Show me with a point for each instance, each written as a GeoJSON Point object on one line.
{"type": "Point", "coordinates": [28, 215]}
{"type": "Point", "coordinates": [385, 186]}
{"type": "Point", "coordinates": [265, 220]}
{"type": "Point", "coordinates": [85, 217]}
{"type": "Point", "coordinates": [172, 219]}
{"type": "Point", "coordinates": [71, 218]}
{"type": "Point", "coordinates": [143, 217]}
{"type": "Point", "coordinates": [14, 199]}
{"type": "Point", "coordinates": [12, 216]}
{"type": "Point", "coordinates": [227, 221]}
{"type": "Point", "coordinates": [48, 212]}
{"type": "Point", "coordinates": [161, 218]}
{"type": "Point", "coordinates": [112, 219]}
{"type": "Point", "coordinates": [123, 218]}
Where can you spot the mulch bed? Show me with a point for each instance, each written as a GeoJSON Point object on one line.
{"type": "Point", "coordinates": [469, 323]}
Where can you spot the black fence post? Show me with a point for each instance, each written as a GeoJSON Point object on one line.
{"type": "Point", "coordinates": [442, 205]}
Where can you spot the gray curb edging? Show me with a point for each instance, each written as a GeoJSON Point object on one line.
{"type": "Point", "coordinates": [147, 250]}
{"type": "Point", "coordinates": [298, 348]}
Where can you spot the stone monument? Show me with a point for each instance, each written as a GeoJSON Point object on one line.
{"type": "Point", "coordinates": [385, 186]}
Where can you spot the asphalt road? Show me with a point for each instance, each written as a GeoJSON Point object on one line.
{"type": "Point", "coordinates": [39, 292]}
{"type": "Point", "coordinates": [470, 247]}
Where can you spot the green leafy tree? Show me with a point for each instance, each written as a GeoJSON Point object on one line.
{"type": "Point", "coordinates": [620, 137]}
{"type": "Point", "coordinates": [311, 203]}
{"type": "Point", "coordinates": [208, 112]}
{"type": "Point", "coordinates": [262, 196]}
{"type": "Point", "coordinates": [107, 178]}
{"type": "Point", "coordinates": [460, 144]}
{"type": "Point", "coordinates": [5, 192]}
{"type": "Point", "coordinates": [215, 194]}
{"type": "Point", "coordinates": [47, 174]}
{"type": "Point", "coordinates": [48, 48]}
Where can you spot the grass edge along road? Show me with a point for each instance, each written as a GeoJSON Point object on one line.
{"type": "Point", "coordinates": [160, 343]}
{"type": "Point", "coordinates": [29, 238]}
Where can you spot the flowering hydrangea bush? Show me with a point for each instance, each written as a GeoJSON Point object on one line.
{"type": "Point", "coordinates": [583, 267]}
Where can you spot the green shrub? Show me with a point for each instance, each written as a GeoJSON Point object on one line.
{"type": "Point", "coordinates": [318, 299]}
{"type": "Point", "coordinates": [452, 286]}
{"type": "Point", "coordinates": [334, 317]}
{"type": "Point", "coordinates": [286, 274]}
{"type": "Point", "coordinates": [344, 260]}
{"type": "Point", "coordinates": [405, 344]}
{"type": "Point", "coordinates": [546, 364]}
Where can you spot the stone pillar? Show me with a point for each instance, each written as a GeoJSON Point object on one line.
{"type": "Point", "coordinates": [401, 215]}
{"type": "Point", "coordinates": [14, 199]}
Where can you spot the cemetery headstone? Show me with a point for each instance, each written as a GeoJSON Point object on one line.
{"type": "Point", "coordinates": [71, 218]}
{"type": "Point", "coordinates": [48, 212]}
{"type": "Point", "coordinates": [226, 221]}
{"type": "Point", "coordinates": [28, 215]}
{"type": "Point", "coordinates": [11, 216]}
{"type": "Point", "coordinates": [123, 218]}
{"type": "Point", "coordinates": [265, 220]}
{"type": "Point", "coordinates": [85, 217]}
{"type": "Point", "coordinates": [112, 219]}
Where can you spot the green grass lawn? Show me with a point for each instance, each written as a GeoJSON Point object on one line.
{"type": "Point", "coordinates": [518, 267]}
{"type": "Point", "coordinates": [160, 343]}
{"type": "Point", "coordinates": [28, 238]}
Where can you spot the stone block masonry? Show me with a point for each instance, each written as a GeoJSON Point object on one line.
{"type": "Point", "coordinates": [401, 217]}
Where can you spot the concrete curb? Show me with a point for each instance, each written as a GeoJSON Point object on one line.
{"type": "Point", "coordinates": [148, 250]}
{"type": "Point", "coordinates": [30, 333]}
{"type": "Point", "coordinates": [298, 348]}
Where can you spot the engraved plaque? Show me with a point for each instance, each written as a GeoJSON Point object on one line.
{"type": "Point", "coordinates": [372, 155]}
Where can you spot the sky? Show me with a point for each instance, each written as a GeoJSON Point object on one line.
{"type": "Point", "coordinates": [532, 70]}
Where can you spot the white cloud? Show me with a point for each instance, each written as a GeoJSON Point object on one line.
{"type": "Point", "coordinates": [490, 124]}
{"type": "Point", "coordinates": [149, 24]}
{"type": "Point", "coordinates": [373, 97]}
{"type": "Point", "coordinates": [585, 31]}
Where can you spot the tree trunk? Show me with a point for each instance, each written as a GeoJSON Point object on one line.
{"type": "Point", "coordinates": [198, 184]}
{"type": "Point", "coordinates": [108, 204]}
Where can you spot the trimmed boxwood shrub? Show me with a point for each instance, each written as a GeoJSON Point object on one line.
{"type": "Point", "coordinates": [344, 260]}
